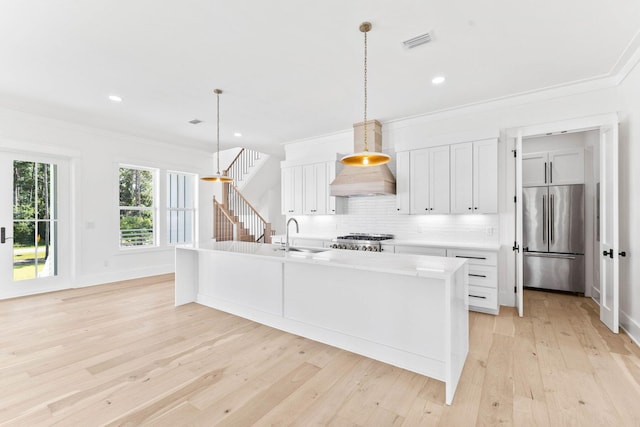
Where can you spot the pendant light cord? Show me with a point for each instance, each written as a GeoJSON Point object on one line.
{"type": "Point", "coordinates": [218, 127]}
{"type": "Point", "coordinates": [366, 148]}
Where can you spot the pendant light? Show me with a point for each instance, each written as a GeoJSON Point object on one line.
{"type": "Point", "coordinates": [365, 157]}
{"type": "Point", "coordinates": [218, 177]}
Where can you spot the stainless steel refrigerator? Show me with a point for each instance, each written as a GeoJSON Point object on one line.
{"type": "Point", "coordinates": [553, 228]}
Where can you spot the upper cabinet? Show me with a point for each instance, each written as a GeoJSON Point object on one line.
{"type": "Point", "coordinates": [560, 167]}
{"type": "Point", "coordinates": [474, 177]}
{"type": "Point", "coordinates": [429, 180]}
{"type": "Point", "coordinates": [305, 189]}
{"type": "Point", "coordinates": [291, 190]}
{"type": "Point", "coordinates": [402, 182]}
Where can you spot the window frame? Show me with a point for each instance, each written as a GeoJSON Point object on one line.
{"type": "Point", "coordinates": [153, 209]}
{"type": "Point", "coordinates": [193, 209]}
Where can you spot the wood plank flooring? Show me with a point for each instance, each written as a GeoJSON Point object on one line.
{"type": "Point", "coordinates": [121, 354]}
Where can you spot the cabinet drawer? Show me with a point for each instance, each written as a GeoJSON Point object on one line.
{"type": "Point", "coordinates": [475, 257]}
{"type": "Point", "coordinates": [483, 275]}
{"type": "Point", "coordinates": [483, 298]}
{"type": "Point", "coordinates": [420, 250]}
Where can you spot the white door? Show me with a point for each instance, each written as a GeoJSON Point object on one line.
{"type": "Point", "coordinates": [403, 184]}
{"type": "Point", "coordinates": [462, 178]}
{"type": "Point", "coordinates": [609, 226]}
{"type": "Point", "coordinates": [518, 213]}
{"type": "Point", "coordinates": [535, 169]}
{"type": "Point", "coordinates": [419, 167]}
{"type": "Point", "coordinates": [485, 176]}
{"type": "Point", "coordinates": [439, 180]}
{"type": "Point", "coordinates": [34, 227]}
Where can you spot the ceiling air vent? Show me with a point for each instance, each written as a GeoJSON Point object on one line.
{"type": "Point", "coordinates": [418, 40]}
{"type": "Point", "coordinates": [195, 121]}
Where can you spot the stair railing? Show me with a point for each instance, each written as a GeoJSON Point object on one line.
{"type": "Point", "coordinates": [224, 227]}
{"type": "Point", "coordinates": [241, 164]}
{"type": "Point", "coordinates": [256, 225]}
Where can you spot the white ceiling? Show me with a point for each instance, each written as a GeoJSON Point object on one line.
{"type": "Point", "coordinates": [292, 69]}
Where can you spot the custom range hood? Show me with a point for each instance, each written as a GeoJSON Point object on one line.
{"type": "Point", "coordinates": [365, 181]}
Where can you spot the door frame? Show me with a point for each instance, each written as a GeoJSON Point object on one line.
{"type": "Point", "coordinates": [66, 220]}
{"type": "Point", "coordinates": [515, 137]}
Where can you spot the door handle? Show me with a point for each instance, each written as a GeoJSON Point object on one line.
{"type": "Point", "coordinates": [551, 217]}
{"type": "Point", "coordinates": [3, 235]}
{"type": "Point", "coordinates": [550, 172]}
{"type": "Point", "coordinates": [609, 253]}
{"type": "Point", "coordinates": [545, 172]}
{"type": "Point", "coordinates": [544, 217]}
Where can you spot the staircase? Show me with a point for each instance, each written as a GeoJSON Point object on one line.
{"type": "Point", "coordinates": [234, 218]}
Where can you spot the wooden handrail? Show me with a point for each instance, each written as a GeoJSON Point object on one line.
{"type": "Point", "coordinates": [247, 202]}
{"type": "Point", "coordinates": [220, 207]}
{"type": "Point", "coordinates": [226, 171]}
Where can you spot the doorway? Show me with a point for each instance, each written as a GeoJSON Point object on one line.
{"type": "Point", "coordinates": [601, 228]}
{"type": "Point", "coordinates": [34, 234]}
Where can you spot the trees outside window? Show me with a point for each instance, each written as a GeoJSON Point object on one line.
{"type": "Point", "coordinates": [137, 206]}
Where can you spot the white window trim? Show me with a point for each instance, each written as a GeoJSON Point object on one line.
{"type": "Point", "coordinates": [155, 172]}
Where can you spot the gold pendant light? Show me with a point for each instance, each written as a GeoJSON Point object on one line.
{"type": "Point", "coordinates": [218, 177]}
{"type": "Point", "coordinates": [365, 157]}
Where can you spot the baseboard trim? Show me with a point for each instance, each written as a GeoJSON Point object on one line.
{"type": "Point", "coordinates": [631, 327]}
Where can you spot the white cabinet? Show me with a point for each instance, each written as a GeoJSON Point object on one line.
{"type": "Point", "coordinates": [474, 177]}
{"type": "Point", "coordinates": [483, 278]}
{"type": "Point", "coordinates": [292, 190]}
{"type": "Point", "coordinates": [559, 167]}
{"type": "Point", "coordinates": [315, 193]}
{"type": "Point", "coordinates": [305, 189]}
{"type": "Point", "coordinates": [429, 180]}
{"type": "Point", "coordinates": [402, 181]}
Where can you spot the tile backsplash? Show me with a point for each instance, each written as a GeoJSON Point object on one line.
{"type": "Point", "coordinates": [378, 214]}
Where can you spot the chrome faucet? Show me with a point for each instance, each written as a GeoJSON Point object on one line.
{"type": "Point", "coordinates": [286, 245]}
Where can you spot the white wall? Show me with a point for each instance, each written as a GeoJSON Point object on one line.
{"type": "Point", "coordinates": [95, 155]}
{"type": "Point", "coordinates": [629, 162]}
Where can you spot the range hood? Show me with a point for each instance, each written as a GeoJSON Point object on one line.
{"type": "Point", "coordinates": [365, 181]}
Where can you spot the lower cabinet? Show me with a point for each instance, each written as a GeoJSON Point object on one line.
{"type": "Point", "coordinates": [483, 273]}
{"type": "Point", "coordinates": [483, 278]}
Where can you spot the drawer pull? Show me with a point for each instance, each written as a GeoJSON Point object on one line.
{"type": "Point", "coordinates": [477, 275]}
{"type": "Point", "coordinates": [470, 257]}
{"type": "Point", "coordinates": [477, 296]}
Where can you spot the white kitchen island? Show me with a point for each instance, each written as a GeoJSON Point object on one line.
{"type": "Point", "coordinates": [410, 311]}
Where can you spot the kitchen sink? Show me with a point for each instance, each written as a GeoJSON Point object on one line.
{"type": "Point", "coordinates": [304, 250]}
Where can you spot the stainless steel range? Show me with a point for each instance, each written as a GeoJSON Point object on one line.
{"type": "Point", "coordinates": [361, 242]}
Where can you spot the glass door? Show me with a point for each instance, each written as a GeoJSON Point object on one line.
{"type": "Point", "coordinates": [29, 224]}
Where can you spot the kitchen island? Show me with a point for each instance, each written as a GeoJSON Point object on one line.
{"type": "Point", "coordinates": [410, 311]}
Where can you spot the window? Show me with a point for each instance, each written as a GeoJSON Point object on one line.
{"type": "Point", "coordinates": [137, 207]}
{"type": "Point", "coordinates": [180, 208]}
{"type": "Point", "coordinates": [35, 220]}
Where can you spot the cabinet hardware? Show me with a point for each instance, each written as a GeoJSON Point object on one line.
{"type": "Point", "coordinates": [476, 208]}
{"type": "Point", "coordinates": [550, 172]}
{"type": "Point", "coordinates": [623, 253]}
{"type": "Point", "coordinates": [545, 172]}
{"type": "Point", "coordinates": [609, 252]}
{"type": "Point", "coordinates": [477, 296]}
{"type": "Point", "coordinates": [430, 209]}
{"type": "Point", "coordinates": [470, 257]}
{"type": "Point", "coordinates": [477, 275]}
{"type": "Point", "coordinates": [469, 208]}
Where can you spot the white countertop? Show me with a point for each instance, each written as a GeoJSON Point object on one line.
{"type": "Point", "coordinates": [487, 246]}
{"type": "Point", "coordinates": [411, 265]}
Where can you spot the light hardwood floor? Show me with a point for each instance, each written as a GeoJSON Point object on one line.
{"type": "Point", "coordinates": [122, 354]}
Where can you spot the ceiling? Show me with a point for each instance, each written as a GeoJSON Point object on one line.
{"type": "Point", "coordinates": [292, 69]}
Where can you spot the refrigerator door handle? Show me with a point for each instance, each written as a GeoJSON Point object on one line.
{"type": "Point", "coordinates": [544, 218]}
{"type": "Point", "coordinates": [545, 172]}
{"type": "Point", "coordinates": [551, 218]}
{"type": "Point", "coordinates": [547, 255]}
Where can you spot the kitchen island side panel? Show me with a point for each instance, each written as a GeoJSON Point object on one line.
{"type": "Point", "coordinates": [383, 308]}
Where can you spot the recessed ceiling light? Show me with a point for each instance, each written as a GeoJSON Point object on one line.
{"type": "Point", "coordinates": [115, 98]}
{"type": "Point", "coordinates": [437, 80]}
{"type": "Point", "coordinates": [237, 134]}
